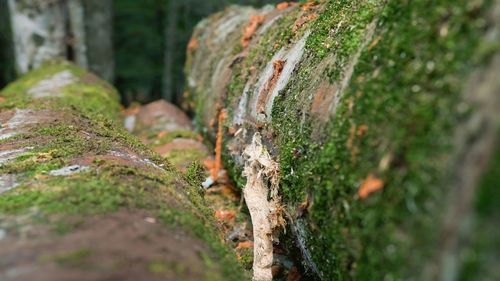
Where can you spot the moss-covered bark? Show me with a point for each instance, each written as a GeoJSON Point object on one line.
{"type": "Point", "coordinates": [81, 199]}
{"type": "Point", "coordinates": [382, 114]}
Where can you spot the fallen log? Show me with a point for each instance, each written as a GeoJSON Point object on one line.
{"type": "Point", "coordinates": [81, 199]}
{"type": "Point", "coordinates": [383, 117]}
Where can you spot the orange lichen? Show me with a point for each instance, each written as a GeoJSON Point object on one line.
{"type": "Point", "coordinates": [300, 22]}
{"type": "Point", "coordinates": [209, 163]}
{"type": "Point", "coordinates": [133, 109]}
{"type": "Point", "coordinates": [250, 29]}
{"type": "Point", "coordinates": [265, 94]}
{"type": "Point", "coordinates": [309, 5]}
{"type": "Point", "coordinates": [370, 185]}
{"type": "Point", "coordinates": [373, 43]}
{"type": "Point", "coordinates": [361, 130]}
{"type": "Point", "coordinates": [225, 215]}
{"type": "Point", "coordinates": [193, 43]}
{"type": "Point", "coordinates": [162, 134]}
{"type": "Point", "coordinates": [218, 148]}
{"type": "Point", "coordinates": [242, 245]}
{"type": "Point", "coordinates": [284, 5]}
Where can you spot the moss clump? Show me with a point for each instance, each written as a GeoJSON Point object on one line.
{"type": "Point", "coordinates": [86, 94]}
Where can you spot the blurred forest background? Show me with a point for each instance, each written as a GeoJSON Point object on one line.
{"type": "Point", "coordinates": [149, 39]}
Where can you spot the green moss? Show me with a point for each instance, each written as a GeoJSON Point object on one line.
{"type": "Point", "coordinates": [168, 137]}
{"type": "Point", "coordinates": [195, 175]}
{"type": "Point", "coordinates": [179, 269]}
{"type": "Point", "coordinates": [246, 259]}
{"type": "Point", "coordinates": [86, 94]}
{"type": "Point", "coordinates": [186, 155]}
{"type": "Point", "coordinates": [410, 116]}
{"type": "Point", "coordinates": [74, 259]}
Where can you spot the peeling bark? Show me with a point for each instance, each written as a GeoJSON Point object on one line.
{"type": "Point", "coordinates": [266, 215]}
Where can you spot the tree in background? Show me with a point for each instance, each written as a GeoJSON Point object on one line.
{"type": "Point", "coordinates": [150, 43]}
{"type": "Point", "coordinates": [76, 30]}
{"type": "Point", "coordinates": [6, 56]}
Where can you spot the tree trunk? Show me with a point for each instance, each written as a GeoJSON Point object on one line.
{"type": "Point", "coordinates": [6, 47]}
{"type": "Point", "coordinates": [99, 30]}
{"type": "Point", "coordinates": [169, 54]}
{"type": "Point", "coordinates": [74, 30]}
{"type": "Point", "coordinates": [80, 199]}
{"type": "Point", "coordinates": [383, 116]}
{"type": "Point", "coordinates": [76, 23]}
{"type": "Point", "coordinates": [39, 32]}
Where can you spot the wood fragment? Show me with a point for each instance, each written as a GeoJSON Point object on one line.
{"type": "Point", "coordinates": [266, 215]}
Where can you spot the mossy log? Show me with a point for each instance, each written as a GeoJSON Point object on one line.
{"type": "Point", "coordinates": [383, 116]}
{"type": "Point", "coordinates": [81, 199]}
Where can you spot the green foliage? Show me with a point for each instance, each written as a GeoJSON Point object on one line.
{"type": "Point", "coordinates": [6, 51]}
{"type": "Point", "coordinates": [144, 36]}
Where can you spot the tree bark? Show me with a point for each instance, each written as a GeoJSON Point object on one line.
{"type": "Point", "coordinates": [379, 121]}
{"type": "Point", "coordinates": [74, 30]}
{"type": "Point", "coordinates": [169, 53]}
{"type": "Point", "coordinates": [38, 32]}
{"type": "Point", "coordinates": [80, 199]}
{"type": "Point", "coordinates": [99, 37]}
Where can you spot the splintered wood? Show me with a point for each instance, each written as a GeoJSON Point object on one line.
{"type": "Point", "coordinates": [266, 215]}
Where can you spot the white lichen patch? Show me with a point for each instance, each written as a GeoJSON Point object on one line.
{"type": "Point", "coordinates": [7, 155]}
{"type": "Point", "coordinates": [291, 56]}
{"type": "Point", "coordinates": [7, 182]}
{"type": "Point", "coordinates": [260, 169]}
{"type": "Point", "coordinates": [69, 170]}
{"type": "Point", "coordinates": [51, 87]}
{"type": "Point", "coordinates": [21, 118]}
{"type": "Point", "coordinates": [129, 123]}
{"type": "Point", "coordinates": [268, 24]}
{"type": "Point", "coordinates": [135, 159]}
